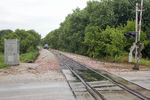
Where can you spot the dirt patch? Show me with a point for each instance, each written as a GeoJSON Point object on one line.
{"type": "Point", "coordinates": [19, 69]}
{"type": "Point", "coordinates": [45, 62]}
{"type": "Point", "coordinates": [46, 67]}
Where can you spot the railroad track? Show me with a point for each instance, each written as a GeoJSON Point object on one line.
{"type": "Point", "coordinates": [75, 68]}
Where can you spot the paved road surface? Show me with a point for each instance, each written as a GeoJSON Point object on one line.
{"type": "Point", "coordinates": [141, 78]}
{"type": "Point", "coordinates": [47, 90]}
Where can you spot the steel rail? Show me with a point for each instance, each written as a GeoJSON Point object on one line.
{"type": "Point", "coordinates": [139, 95]}
{"type": "Point", "coordinates": [94, 93]}
{"type": "Point", "coordinates": [115, 82]}
{"type": "Point", "coordinates": [121, 85]}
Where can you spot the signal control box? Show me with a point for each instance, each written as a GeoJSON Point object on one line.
{"type": "Point", "coordinates": [11, 49]}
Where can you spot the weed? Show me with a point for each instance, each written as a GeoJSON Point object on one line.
{"type": "Point", "coordinates": [29, 57]}
{"type": "Point", "coordinates": [2, 62]}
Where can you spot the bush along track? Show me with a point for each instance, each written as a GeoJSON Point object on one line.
{"type": "Point", "coordinates": [29, 57]}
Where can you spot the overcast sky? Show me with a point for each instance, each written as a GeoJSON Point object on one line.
{"type": "Point", "coordinates": [41, 15]}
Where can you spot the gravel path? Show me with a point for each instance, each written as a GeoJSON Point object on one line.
{"type": "Point", "coordinates": [46, 61]}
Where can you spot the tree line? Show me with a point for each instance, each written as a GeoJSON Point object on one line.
{"type": "Point", "coordinates": [28, 39]}
{"type": "Point", "coordinates": [98, 30]}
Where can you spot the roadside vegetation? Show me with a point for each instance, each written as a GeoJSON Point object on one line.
{"type": "Point", "coordinates": [2, 63]}
{"type": "Point", "coordinates": [29, 40]}
{"type": "Point", "coordinates": [145, 62]}
{"type": "Point", "coordinates": [29, 57]}
{"type": "Point", "coordinates": [98, 31]}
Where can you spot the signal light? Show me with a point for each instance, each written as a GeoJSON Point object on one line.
{"type": "Point", "coordinates": [129, 35]}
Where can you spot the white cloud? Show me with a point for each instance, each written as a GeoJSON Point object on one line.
{"type": "Point", "coordinates": [41, 15]}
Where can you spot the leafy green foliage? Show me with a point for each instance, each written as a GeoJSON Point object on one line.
{"type": "Point", "coordinates": [92, 36]}
{"type": "Point", "coordinates": [2, 33]}
{"type": "Point", "coordinates": [2, 64]}
{"type": "Point", "coordinates": [98, 30]}
{"type": "Point", "coordinates": [115, 45]}
{"type": "Point", "coordinates": [5, 32]}
{"type": "Point", "coordinates": [28, 44]}
{"type": "Point", "coordinates": [100, 13]}
{"type": "Point", "coordinates": [28, 39]}
{"type": "Point", "coordinates": [29, 57]}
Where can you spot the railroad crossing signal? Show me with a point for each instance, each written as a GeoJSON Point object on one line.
{"type": "Point", "coordinates": [129, 35]}
{"type": "Point", "coordinates": [137, 46]}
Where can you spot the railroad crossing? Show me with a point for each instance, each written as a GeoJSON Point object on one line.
{"type": "Point", "coordinates": [55, 75]}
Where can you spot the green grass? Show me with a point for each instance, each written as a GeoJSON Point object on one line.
{"type": "Point", "coordinates": [124, 59]}
{"type": "Point", "coordinates": [143, 61]}
{"type": "Point", "coordinates": [29, 57]}
{"type": "Point", "coordinates": [2, 62]}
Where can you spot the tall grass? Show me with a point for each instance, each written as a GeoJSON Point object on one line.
{"type": "Point", "coordinates": [143, 61]}
{"type": "Point", "coordinates": [124, 59]}
{"type": "Point", "coordinates": [29, 57]}
{"type": "Point", "coordinates": [2, 62]}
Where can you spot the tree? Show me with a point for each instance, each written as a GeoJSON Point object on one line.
{"type": "Point", "coordinates": [28, 39]}
{"type": "Point", "coordinates": [5, 32]}
{"type": "Point", "coordinates": [95, 31]}
{"type": "Point", "coordinates": [100, 13]}
{"type": "Point", "coordinates": [92, 36]}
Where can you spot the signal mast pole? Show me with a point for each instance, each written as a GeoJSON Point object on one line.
{"type": "Point", "coordinates": [136, 66]}
{"type": "Point", "coordinates": [141, 9]}
{"type": "Point", "coordinates": [137, 40]}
